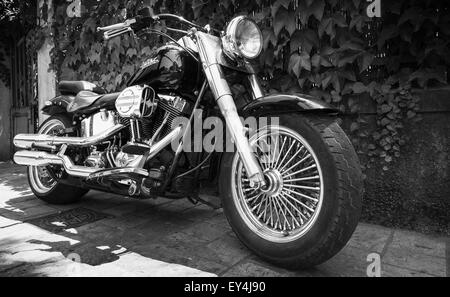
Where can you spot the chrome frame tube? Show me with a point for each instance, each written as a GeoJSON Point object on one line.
{"type": "Point", "coordinates": [208, 47]}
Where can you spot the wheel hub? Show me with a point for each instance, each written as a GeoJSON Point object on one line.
{"type": "Point", "coordinates": [274, 182]}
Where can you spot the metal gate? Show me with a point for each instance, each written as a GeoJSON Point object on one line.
{"type": "Point", "coordinates": [23, 90]}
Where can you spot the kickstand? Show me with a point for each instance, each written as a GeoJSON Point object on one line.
{"type": "Point", "coordinates": [195, 200]}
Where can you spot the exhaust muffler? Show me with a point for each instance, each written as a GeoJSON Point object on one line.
{"type": "Point", "coordinates": [39, 158]}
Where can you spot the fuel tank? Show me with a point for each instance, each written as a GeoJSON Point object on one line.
{"type": "Point", "coordinates": [170, 69]}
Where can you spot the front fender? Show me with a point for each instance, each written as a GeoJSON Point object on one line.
{"type": "Point", "coordinates": [284, 103]}
{"type": "Point", "coordinates": [57, 105]}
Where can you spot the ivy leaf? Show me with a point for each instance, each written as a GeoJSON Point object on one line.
{"type": "Point", "coordinates": [326, 80]}
{"type": "Point", "coordinates": [305, 10]}
{"type": "Point", "coordinates": [347, 59]}
{"type": "Point", "coordinates": [359, 88]}
{"type": "Point", "coordinates": [305, 39]}
{"type": "Point", "coordinates": [357, 22]}
{"type": "Point", "coordinates": [131, 52]}
{"type": "Point", "coordinates": [269, 37]}
{"type": "Point", "coordinates": [354, 127]}
{"type": "Point", "coordinates": [276, 6]}
{"type": "Point", "coordinates": [279, 21]}
{"type": "Point", "coordinates": [298, 62]}
{"type": "Point", "coordinates": [326, 26]}
{"type": "Point", "coordinates": [315, 61]}
{"type": "Point", "coordinates": [365, 61]}
{"type": "Point", "coordinates": [387, 33]}
{"type": "Point", "coordinates": [317, 9]}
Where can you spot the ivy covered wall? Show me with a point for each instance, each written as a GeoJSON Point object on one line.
{"type": "Point", "coordinates": [329, 48]}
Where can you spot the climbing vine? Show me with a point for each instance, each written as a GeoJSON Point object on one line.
{"type": "Point", "coordinates": [328, 48]}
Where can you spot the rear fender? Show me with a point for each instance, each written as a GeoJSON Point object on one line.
{"type": "Point", "coordinates": [57, 105]}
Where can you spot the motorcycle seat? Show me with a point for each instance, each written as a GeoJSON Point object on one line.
{"type": "Point", "coordinates": [66, 87]}
{"type": "Point", "coordinates": [87, 102]}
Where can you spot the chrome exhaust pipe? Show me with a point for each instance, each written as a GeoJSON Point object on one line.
{"type": "Point", "coordinates": [27, 141]}
{"type": "Point", "coordinates": [38, 158]}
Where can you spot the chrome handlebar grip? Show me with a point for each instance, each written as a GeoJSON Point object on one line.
{"type": "Point", "coordinates": [114, 33]}
{"type": "Point", "coordinates": [117, 29]}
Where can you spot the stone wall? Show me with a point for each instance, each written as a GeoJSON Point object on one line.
{"type": "Point", "coordinates": [415, 192]}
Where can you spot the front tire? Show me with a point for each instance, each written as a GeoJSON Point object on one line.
{"type": "Point", "coordinates": [313, 203]}
{"type": "Point", "coordinates": [41, 182]}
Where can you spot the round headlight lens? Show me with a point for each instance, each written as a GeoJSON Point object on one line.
{"type": "Point", "coordinates": [243, 38]}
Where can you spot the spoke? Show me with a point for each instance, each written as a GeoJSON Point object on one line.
{"type": "Point", "coordinates": [298, 163]}
{"type": "Point", "coordinates": [265, 165]}
{"type": "Point", "coordinates": [253, 198]}
{"type": "Point", "coordinates": [275, 149]}
{"type": "Point", "coordinates": [302, 187]}
{"type": "Point", "coordinates": [294, 208]}
{"type": "Point", "coordinates": [299, 202]}
{"type": "Point", "coordinates": [302, 195]}
{"type": "Point", "coordinates": [293, 217]}
{"type": "Point", "coordinates": [259, 204]}
{"type": "Point", "coordinates": [283, 213]}
{"type": "Point", "coordinates": [303, 179]}
{"type": "Point", "coordinates": [281, 150]}
{"type": "Point", "coordinates": [264, 213]}
{"type": "Point", "coordinates": [300, 171]}
{"type": "Point", "coordinates": [277, 210]}
{"type": "Point", "coordinates": [286, 154]}
{"type": "Point", "coordinates": [292, 158]}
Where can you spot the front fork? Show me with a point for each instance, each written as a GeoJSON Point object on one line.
{"type": "Point", "coordinates": [209, 46]}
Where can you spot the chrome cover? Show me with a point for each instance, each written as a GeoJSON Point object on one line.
{"type": "Point", "coordinates": [98, 123]}
{"type": "Point", "coordinates": [137, 102]}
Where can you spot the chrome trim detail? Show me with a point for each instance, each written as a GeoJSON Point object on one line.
{"type": "Point", "coordinates": [98, 123]}
{"type": "Point", "coordinates": [26, 141]}
{"type": "Point", "coordinates": [255, 87]}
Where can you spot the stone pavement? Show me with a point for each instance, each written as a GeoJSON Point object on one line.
{"type": "Point", "coordinates": [110, 235]}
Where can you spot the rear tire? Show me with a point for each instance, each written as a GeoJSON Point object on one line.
{"type": "Point", "coordinates": [41, 183]}
{"type": "Point", "coordinates": [338, 206]}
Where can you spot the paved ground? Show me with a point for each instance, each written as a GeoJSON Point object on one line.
{"type": "Point", "coordinates": [116, 236]}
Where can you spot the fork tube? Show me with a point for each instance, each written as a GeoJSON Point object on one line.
{"type": "Point", "coordinates": [209, 46]}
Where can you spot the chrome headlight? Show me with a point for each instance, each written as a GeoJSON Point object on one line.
{"type": "Point", "coordinates": [243, 39]}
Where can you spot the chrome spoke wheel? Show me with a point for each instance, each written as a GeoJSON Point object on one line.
{"type": "Point", "coordinates": [288, 206]}
{"type": "Point", "coordinates": [40, 178]}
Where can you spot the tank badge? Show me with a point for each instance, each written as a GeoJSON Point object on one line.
{"type": "Point", "coordinates": [150, 62]}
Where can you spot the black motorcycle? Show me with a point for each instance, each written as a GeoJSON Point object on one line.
{"type": "Point", "coordinates": [291, 189]}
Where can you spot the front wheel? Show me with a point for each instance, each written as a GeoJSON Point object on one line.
{"type": "Point", "coordinates": [312, 202]}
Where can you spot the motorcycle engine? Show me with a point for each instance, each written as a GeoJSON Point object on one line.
{"type": "Point", "coordinates": [157, 117]}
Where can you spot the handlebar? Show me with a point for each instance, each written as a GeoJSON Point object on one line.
{"type": "Point", "coordinates": [139, 23]}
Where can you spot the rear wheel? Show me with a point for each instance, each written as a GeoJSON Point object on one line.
{"type": "Point", "coordinates": [41, 182]}
{"type": "Point", "coordinates": [312, 203]}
